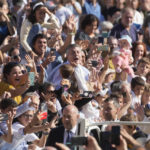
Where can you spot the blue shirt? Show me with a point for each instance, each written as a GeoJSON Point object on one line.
{"type": "Point", "coordinates": [118, 30]}
{"type": "Point", "coordinates": [89, 8]}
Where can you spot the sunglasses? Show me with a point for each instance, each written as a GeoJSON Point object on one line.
{"type": "Point", "coordinates": [50, 92]}
{"type": "Point", "coordinates": [16, 56]}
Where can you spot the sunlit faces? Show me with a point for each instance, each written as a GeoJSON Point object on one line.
{"type": "Point", "coordinates": [40, 15]}
{"type": "Point", "coordinates": [143, 69]}
{"type": "Point", "coordinates": [123, 43]}
{"type": "Point", "coordinates": [139, 52]}
{"type": "Point", "coordinates": [89, 29]}
{"type": "Point", "coordinates": [26, 118]}
{"type": "Point", "coordinates": [51, 92]}
{"type": "Point", "coordinates": [138, 90]}
{"type": "Point", "coordinates": [74, 56]}
{"type": "Point", "coordinates": [127, 18]}
{"type": "Point", "coordinates": [14, 77]}
{"type": "Point", "coordinates": [113, 43]}
{"type": "Point", "coordinates": [109, 111]}
{"type": "Point", "coordinates": [10, 109]}
{"type": "Point", "coordinates": [40, 46]}
{"type": "Point", "coordinates": [35, 102]}
{"type": "Point", "coordinates": [110, 77]}
{"type": "Point", "coordinates": [145, 98]}
{"type": "Point", "coordinates": [15, 55]}
{"type": "Point", "coordinates": [70, 118]}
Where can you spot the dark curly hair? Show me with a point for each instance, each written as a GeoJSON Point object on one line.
{"type": "Point", "coordinates": [88, 20]}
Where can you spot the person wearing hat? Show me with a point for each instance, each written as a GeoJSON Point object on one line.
{"type": "Point", "coordinates": [23, 131]}
{"type": "Point", "coordinates": [122, 57]}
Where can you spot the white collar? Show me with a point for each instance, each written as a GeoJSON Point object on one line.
{"type": "Point", "coordinates": [73, 130]}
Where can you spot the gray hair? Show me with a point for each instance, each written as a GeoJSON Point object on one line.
{"type": "Point", "coordinates": [127, 9]}
{"type": "Point", "coordinates": [106, 25]}
{"type": "Point", "coordinates": [71, 46]}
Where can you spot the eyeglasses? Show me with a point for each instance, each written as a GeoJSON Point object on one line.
{"type": "Point", "coordinates": [50, 92]}
{"type": "Point", "coordinates": [28, 116]}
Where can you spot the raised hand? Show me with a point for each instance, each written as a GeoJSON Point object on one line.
{"type": "Point", "coordinates": [71, 25]}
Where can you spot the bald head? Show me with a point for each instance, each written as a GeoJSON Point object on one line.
{"type": "Point", "coordinates": [71, 108]}
{"type": "Point", "coordinates": [127, 17]}
{"type": "Point", "coordinates": [70, 116]}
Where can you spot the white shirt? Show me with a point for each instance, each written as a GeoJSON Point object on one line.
{"type": "Point", "coordinates": [19, 138]}
{"type": "Point", "coordinates": [91, 113]}
{"type": "Point", "coordinates": [135, 99]}
{"type": "Point", "coordinates": [63, 14]}
{"type": "Point", "coordinates": [73, 130]}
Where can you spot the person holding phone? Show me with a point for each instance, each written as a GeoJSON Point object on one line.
{"type": "Point", "coordinates": [14, 81]}
{"type": "Point", "coordinates": [8, 107]}
{"type": "Point", "coordinates": [21, 135]}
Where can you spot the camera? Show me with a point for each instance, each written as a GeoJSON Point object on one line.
{"type": "Point", "coordinates": [79, 140]}
{"type": "Point", "coordinates": [86, 94]}
{"type": "Point", "coordinates": [3, 117]}
{"type": "Point", "coordinates": [94, 63]}
{"type": "Point", "coordinates": [108, 138]}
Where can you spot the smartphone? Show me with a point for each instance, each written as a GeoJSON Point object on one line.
{"type": "Point", "coordinates": [44, 114]}
{"type": "Point", "coordinates": [115, 135]}
{"type": "Point", "coordinates": [105, 34]}
{"type": "Point", "coordinates": [31, 78]}
{"type": "Point", "coordinates": [65, 90]}
{"type": "Point", "coordinates": [79, 141]}
{"type": "Point", "coordinates": [100, 40]}
{"type": "Point", "coordinates": [52, 52]}
{"type": "Point", "coordinates": [94, 63]}
{"type": "Point", "coordinates": [3, 117]}
{"type": "Point", "coordinates": [86, 94]}
{"type": "Point", "coordinates": [38, 69]}
{"type": "Point", "coordinates": [24, 79]}
{"type": "Point", "coordinates": [103, 48]}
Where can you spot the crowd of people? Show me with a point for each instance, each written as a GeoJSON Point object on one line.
{"type": "Point", "coordinates": [65, 60]}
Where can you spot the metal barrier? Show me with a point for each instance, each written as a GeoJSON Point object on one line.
{"type": "Point", "coordinates": [119, 123]}
{"type": "Point", "coordinates": [86, 128]}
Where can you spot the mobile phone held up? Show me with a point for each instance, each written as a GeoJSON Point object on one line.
{"type": "Point", "coordinates": [43, 114]}
{"type": "Point", "coordinates": [94, 63]}
{"type": "Point", "coordinates": [52, 51]}
{"type": "Point", "coordinates": [79, 141]}
{"type": "Point", "coordinates": [3, 117]}
{"type": "Point", "coordinates": [103, 48]}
